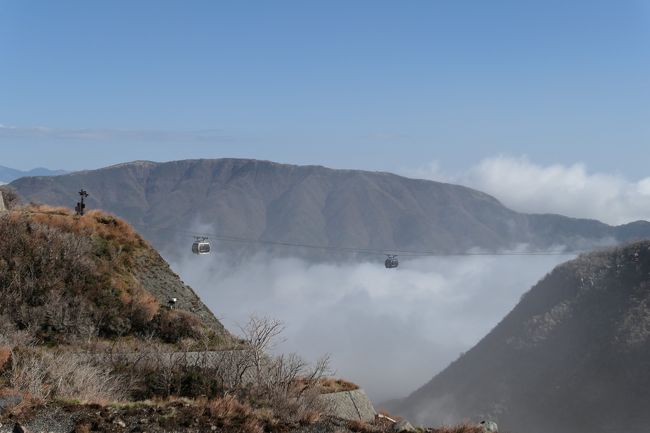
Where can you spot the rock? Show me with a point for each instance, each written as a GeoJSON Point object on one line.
{"type": "Point", "coordinates": [489, 426]}
{"type": "Point", "coordinates": [9, 401]}
{"type": "Point", "coordinates": [349, 405]}
{"type": "Point", "coordinates": [403, 426]}
{"type": "Point", "coordinates": [120, 423]}
{"type": "Point", "coordinates": [19, 429]}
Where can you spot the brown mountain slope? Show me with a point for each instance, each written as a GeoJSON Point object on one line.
{"type": "Point", "coordinates": [571, 357]}
{"type": "Point", "coordinates": [65, 279]}
{"type": "Point", "coordinates": [314, 205]}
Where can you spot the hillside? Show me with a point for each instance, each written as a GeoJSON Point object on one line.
{"type": "Point", "coordinates": [89, 343]}
{"type": "Point", "coordinates": [572, 356]}
{"type": "Point", "coordinates": [65, 278]}
{"type": "Point", "coordinates": [313, 205]}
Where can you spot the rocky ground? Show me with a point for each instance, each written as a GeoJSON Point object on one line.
{"type": "Point", "coordinates": [172, 417]}
{"type": "Point", "coordinates": [189, 416]}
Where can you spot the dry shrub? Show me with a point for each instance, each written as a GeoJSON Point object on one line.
{"type": "Point", "coordinates": [10, 336]}
{"type": "Point", "coordinates": [234, 414]}
{"type": "Point", "coordinates": [46, 375]}
{"type": "Point", "coordinates": [328, 385]}
{"type": "Point", "coordinates": [144, 308]}
{"type": "Point", "coordinates": [94, 222]}
{"type": "Point", "coordinates": [361, 426]}
{"type": "Point", "coordinates": [66, 279]}
{"type": "Point", "coordinates": [5, 357]}
{"type": "Point", "coordinates": [111, 228]}
{"type": "Point", "coordinates": [83, 427]}
{"type": "Point", "coordinates": [310, 416]}
{"type": "Point", "coordinates": [251, 425]}
{"type": "Point", "coordinates": [228, 407]}
{"type": "Point", "coordinates": [178, 324]}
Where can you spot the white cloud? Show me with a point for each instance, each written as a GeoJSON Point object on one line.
{"type": "Point", "coordinates": [390, 331]}
{"type": "Point", "coordinates": [569, 190]}
{"type": "Point", "coordinates": [430, 171]}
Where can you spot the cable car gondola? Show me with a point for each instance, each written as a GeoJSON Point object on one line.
{"type": "Point", "coordinates": [391, 261]}
{"type": "Point", "coordinates": [201, 245]}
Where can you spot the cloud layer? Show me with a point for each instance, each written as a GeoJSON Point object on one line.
{"type": "Point", "coordinates": [569, 190]}
{"type": "Point", "coordinates": [389, 331]}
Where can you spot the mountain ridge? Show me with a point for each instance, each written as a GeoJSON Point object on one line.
{"type": "Point", "coordinates": [571, 356]}
{"type": "Point", "coordinates": [264, 200]}
{"type": "Point", "coordinates": [8, 174]}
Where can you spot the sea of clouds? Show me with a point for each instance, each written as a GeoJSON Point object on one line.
{"type": "Point", "coordinates": [390, 331]}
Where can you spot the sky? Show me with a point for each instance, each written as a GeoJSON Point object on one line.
{"type": "Point", "coordinates": [378, 85]}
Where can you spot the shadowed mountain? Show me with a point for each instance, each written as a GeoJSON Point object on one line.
{"type": "Point", "coordinates": [572, 356]}
{"type": "Point", "coordinates": [313, 205]}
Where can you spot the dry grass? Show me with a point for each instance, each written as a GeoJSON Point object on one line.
{"type": "Point", "coordinates": [384, 413]}
{"type": "Point", "coordinates": [228, 407]}
{"type": "Point", "coordinates": [251, 425]}
{"type": "Point", "coordinates": [83, 427]}
{"type": "Point", "coordinates": [46, 375]}
{"type": "Point", "coordinates": [95, 223]}
{"type": "Point", "coordinates": [232, 414]}
{"type": "Point", "coordinates": [328, 385]}
{"type": "Point", "coordinates": [70, 279]}
{"type": "Point", "coordinates": [5, 357]}
{"type": "Point", "coordinates": [310, 416]}
{"type": "Point", "coordinates": [176, 325]}
{"type": "Point", "coordinates": [144, 307]}
{"type": "Point", "coordinates": [361, 426]}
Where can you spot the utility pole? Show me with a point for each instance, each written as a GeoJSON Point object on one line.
{"type": "Point", "coordinates": [81, 205]}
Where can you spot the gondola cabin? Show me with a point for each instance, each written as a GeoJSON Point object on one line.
{"type": "Point", "coordinates": [391, 262]}
{"type": "Point", "coordinates": [201, 246]}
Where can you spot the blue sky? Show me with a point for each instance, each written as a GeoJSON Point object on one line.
{"type": "Point", "coordinates": [382, 85]}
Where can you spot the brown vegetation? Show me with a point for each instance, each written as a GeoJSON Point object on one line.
{"type": "Point", "coordinates": [5, 357]}
{"type": "Point", "coordinates": [44, 375]}
{"type": "Point", "coordinates": [68, 279]}
{"type": "Point", "coordinates": [361, 427]}
{"type": "Point", "coordinates": [77, 325]}
{"type": "Point", "coordinates": [328, 385]}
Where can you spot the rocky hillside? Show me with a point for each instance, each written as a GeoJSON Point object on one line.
{"type": "Point", "coordinates": [314, 205]}
{"type": "Point", "coordinates": [65, 278]}
{"type": "Point", "coordinates": [571, 357]}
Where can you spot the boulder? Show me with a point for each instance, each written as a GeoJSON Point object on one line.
{"type": "Point", "coordinates": [403, 426]}
{"type": "Point", "coordinates": [349, 405]}
{"type": "Point", "coordinates": [18, 428]}
{"type": "Point", "coordinates": [489, 426]}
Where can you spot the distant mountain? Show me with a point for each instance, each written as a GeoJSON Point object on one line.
{"type": "Point", "coordinates": [10, 174]}
{"type": "Point", "coordinates": [313, 205]}
{"type": "Point", "coordinates": [571, 357]}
